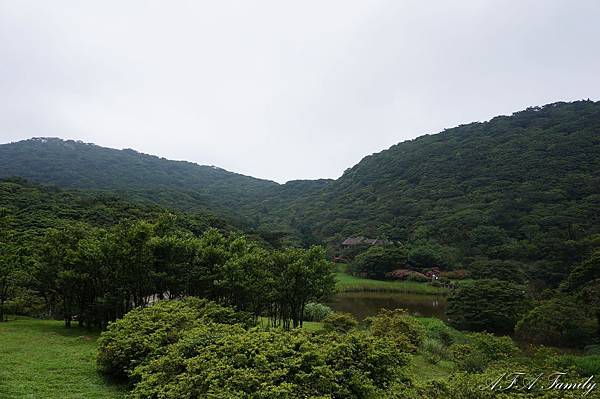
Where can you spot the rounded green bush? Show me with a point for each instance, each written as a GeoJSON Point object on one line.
{"type": "Point", "coordinates": [557, 322]}
{"type": "Point", "coordinates": [339, 322]}
{"type": "Point", "coordinates": [144, 332]}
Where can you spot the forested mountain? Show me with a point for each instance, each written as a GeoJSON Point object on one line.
{"type": "Point", "coordinates": [543, 162]}
{"type": "Point", "coordinates": [524, 187]}
{"type": "Point", "coordinates": [28, 210]}
{"type": "Point", "coordinates": [179, 184]}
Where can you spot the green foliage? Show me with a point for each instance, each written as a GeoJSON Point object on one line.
{"type": "Point", "coordinates": [510, 271]}
{"type": "Point", "coordinates": [227, 361]}
{"type": "Point", "coordinates": [434, 350]}
{"type": "Point", "coordinates": [592, 350]}
{"type": "Point", "coordinates": [473, 362]}
{"type": "Point", "coordinates": [586, 272]}
{"type": "Point", "coordinates": [316, 311]}
{"type": "Point", "coordinates": [379, 260]}
{"type": "Point", "coordinates": [585, 365]}
{"type": "Point", "coordinates": [300, 276]}
{"type": "Point", "coordinates": [558, 322]}
{"type": "Point", "coordinates": [339, 322]}
{"type": "Point", "coordinates": [493, 347]}
{"type": "Point", "coordinates": [486, 305]}
{"type": "Point", "coordinates": [93, 260]}
{"type": "Point", "coordinates": [517, 188]}
{"type": "Point", "coordinates": [427, 255]}
{"type": "Point", "coordinates": [142, 333]}
{"type": "Point", "coordinates": [406, 331]}
{"type": "Point", "coordinates": [437, 330]}
{"type": "Point", "coordinates": [480, 350]}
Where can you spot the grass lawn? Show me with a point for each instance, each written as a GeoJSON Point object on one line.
{"type": "Point", "coordinates": [423, 371]}
{"type": "Point", "coordinates": [348, 283]}
{"type": "Point", "coordinates": [40, 359]}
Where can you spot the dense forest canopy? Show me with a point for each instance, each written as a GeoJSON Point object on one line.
{"type": "Point", "coordinates": [521, 188]}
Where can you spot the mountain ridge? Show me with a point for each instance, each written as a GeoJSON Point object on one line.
{"type": "Point", "coordinates": [537, 169]}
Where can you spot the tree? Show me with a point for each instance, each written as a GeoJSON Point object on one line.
{"type": "Point", "coordinates": [557, 322]}
{"type": "Point", "coordinates": [300, 276]}
{"type": "Point", "coordinates": [582, 274]}
{"type": "Point", "coordinates": [379, 260]}
{"type": "Point", "coordinates": [498, 269]}
{"type": "Point", "coordinates": [486, 305]}
{"type": "Point", "coordinates": [584, 282]}
{"type": "Point", "coordinates": [9, 276]}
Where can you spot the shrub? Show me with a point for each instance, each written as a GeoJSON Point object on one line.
{"type": "Point", "coordinates": [316, 311]}
{"type": "Point", "coordinates": [434, 351]}
{"type": "Point", "coordinates": [482, 350]}
{"type": "Point", "coordinates": [437, 329]}
{"type": "Point", "coordinates": [143, 333]}
{"type": "Point", "coordinates": [418, 277]}
{"type": "Point", "coordinates": [592, 350]}
{"type": "Point", "coordinates": [459, 274]}
{"type": "Point", "coordinates": [557, 322]}
{"type": "Point", "coordinates": [398, 274]}
{"type": "Point", "coordinates": [228, 362]}
{"type": "Point", "coordinates": [585, 365]}
{"type": "Point", "coordinates": [493, 347]}
{"type": "Point", "coordinates": [405, 274]}
{"type": "Point", "coordinates": [474, 362]}
{"type": "Point", "coordinates": [378, 260]}
{"type": "Point", "coordinates": [396, 324]}
{"type": "Point", "coordinates": [486, 305]}
{"type": "Point", "coordinates": [339, 322]}
{"type": "Point", "coordinates": [498, 269]}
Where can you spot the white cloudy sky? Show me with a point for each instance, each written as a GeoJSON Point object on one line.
{"type": "Point", "coordinates": [284, 89]}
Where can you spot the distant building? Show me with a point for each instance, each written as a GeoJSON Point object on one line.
{"type": "Point", "coordinates": [355, 241]}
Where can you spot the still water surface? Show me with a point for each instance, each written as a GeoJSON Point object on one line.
{"type": "Point", "coordinates": [365, 304]}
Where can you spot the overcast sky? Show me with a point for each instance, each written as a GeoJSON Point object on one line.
{"type": "Point", "coordinates": [279, 89]}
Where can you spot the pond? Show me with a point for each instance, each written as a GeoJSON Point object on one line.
{"type": "Point", "coordinates": [365, 304]}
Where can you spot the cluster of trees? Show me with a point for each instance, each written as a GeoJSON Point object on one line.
{"type": "Point", "coordinates": [96, 272]}
{"type": "Point", "coordinates": [99, 275]}
{"type": "Point", "coordinates": [566, 316]}
{"type": "Point", "coordinates": [378, 260]}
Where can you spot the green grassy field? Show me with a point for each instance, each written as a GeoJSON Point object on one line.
{"type": "Point", "coordinates": [348, 283]}
{"type": "Point", "coordinates": [40, 359]}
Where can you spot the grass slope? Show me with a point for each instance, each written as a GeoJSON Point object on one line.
{"type": "Point", "coordinates": [42, 359]}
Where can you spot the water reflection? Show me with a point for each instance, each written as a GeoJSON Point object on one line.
{"type": "Point", "coordinates": [365, 304]}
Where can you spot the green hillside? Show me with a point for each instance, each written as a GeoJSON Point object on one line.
{"type": "Point", "coordinates": [524, 187]}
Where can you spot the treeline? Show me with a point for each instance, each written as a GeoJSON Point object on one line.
{"type": "Point", "coordinates": [92, 258]}
{"type": "Point", "coordinates": [96, 275]}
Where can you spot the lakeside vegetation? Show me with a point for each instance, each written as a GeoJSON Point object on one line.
{"type": "Point", "coordinates": [348, 283]}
